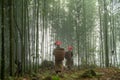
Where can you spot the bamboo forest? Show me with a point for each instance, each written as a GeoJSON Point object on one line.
{"type": "Point", "coordinates": [59, 39]}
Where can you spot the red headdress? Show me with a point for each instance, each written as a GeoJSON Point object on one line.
{"type": "Point", "coordinates": [58, 43]}
{"type": "Point", "coordinates": [70, 48]}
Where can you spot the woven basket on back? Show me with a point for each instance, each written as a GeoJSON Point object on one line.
{"type": "Point", "coordinates": [59, 54]}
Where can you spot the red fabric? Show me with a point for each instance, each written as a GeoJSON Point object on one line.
{"type": "Point", "coordinates": [70, 48]}
{"type": "Point", "coordinates": [58, 43]}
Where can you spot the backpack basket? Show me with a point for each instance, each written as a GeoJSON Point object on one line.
{"type": "Point", "coordinates": [59, 54]}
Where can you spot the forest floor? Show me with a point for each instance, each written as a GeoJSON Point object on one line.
{"type": "Point", "coordinates": [100, 74]}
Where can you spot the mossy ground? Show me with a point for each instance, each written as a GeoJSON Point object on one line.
{"type": "Point", "coordinates": [101, 74]}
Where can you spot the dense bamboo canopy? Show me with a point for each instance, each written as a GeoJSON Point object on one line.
{"type": "Point", "coordinates": [29, 29]}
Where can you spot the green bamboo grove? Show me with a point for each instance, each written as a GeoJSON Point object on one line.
{"type": "Point", "coordinates": [29, 28]}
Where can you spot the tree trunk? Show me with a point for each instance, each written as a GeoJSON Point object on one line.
{"type": "Point", "coordinates": [11, 37]}
{"type": "Point", "coordinates": [2, 46]}
{"type": "Point", "coordinates": [37, 38]}
{"type": "Point", "coordinates": [106, 35]}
